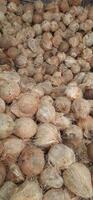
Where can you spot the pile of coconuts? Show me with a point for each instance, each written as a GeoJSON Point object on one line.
{"type": "Point", "coordinates": [46, 100]}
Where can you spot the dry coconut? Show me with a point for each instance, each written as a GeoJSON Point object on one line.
{"type": "Point", "coordinates": [87, 126]}
{"type": "Point", "coordinates": [14, 173]}
{"type": "Point", "coordinates": [62, 104]}
{"type": "Point", "coordinates": [77, 179]}
{"type": "Point", "coordinates": [25, 127]}
{"type": "Point", "coordinates": [51, 178]}
{"type": "Point", "coordinates": [47, 87]}
{"type": "Point", "coordinates": [12, 148]}
{"type": "Point", "coordinates": [10, 76]}
{"type": "Point", "coordinates": [37, 91]}
{"type": "Point", "coordinates": [56, 194]}
{"type": "Point", "coordinates": [47, 134]}
{"type": "Point", "coordinates": [7, 190]}
{"type": "Point", "coordinates": [1, 147]}
{"type": "Point", "coordinates": [73, 136]}
{"type": "Point", "coordinates": [73, 91]}
{"type": "Point", "coordinates": [46, 100]}
{"type": "Point", "coordinates": [2, 173]}
{"type": "Point", "coordinates": [61, 156]}
{"type": "Point", "coordinates": [9, 90]}
{"type": "Point", "coordinates": [62, 122]}
{"type": "Point", "coordinates": [31, 161]}
{"type": "Point", "coordinates": [81, 108]}
{"type": "Point", "coordinates": [27, 191]}
{"type": "Point", "coordinates": [2, 105]}
{"type": "Point", "coordinates": [89, 151]}
{"type": "Point", "coordinates": [25, 106]}
{"type": "Point", "coordinates": [46, 113]}
{"type": "Point", "coordinates": [6, 125]}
